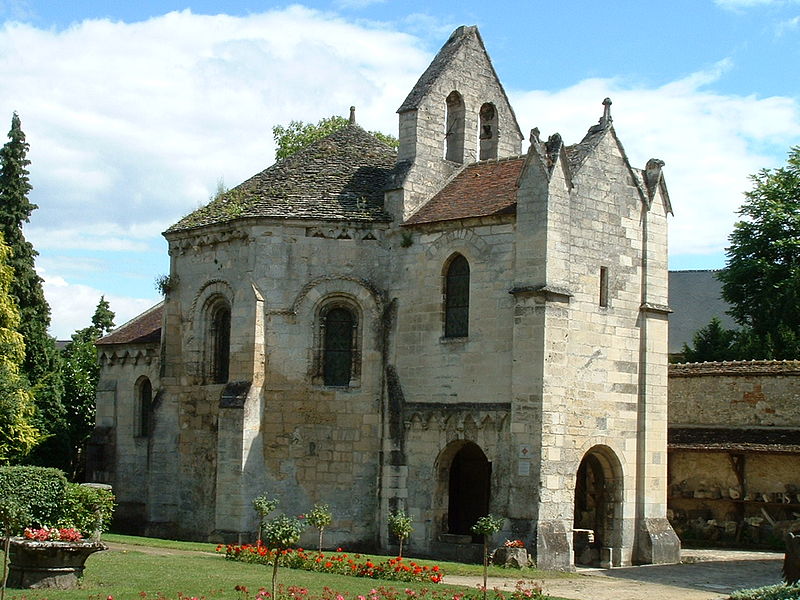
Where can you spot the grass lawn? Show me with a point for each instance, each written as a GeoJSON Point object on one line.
{"type": "Point", "coordinates": [451, 568]}
{"type": "Point", "coordinates": [138, 575]}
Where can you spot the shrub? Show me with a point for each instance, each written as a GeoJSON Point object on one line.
{"type": "Point", "coordinates": [400, 525]}
{"type": "Point", "coordinates": [781, 591]}
{"type": "Point", "coordinates": [320, 517]}
{"type": "Point", "coordinates": [39, 490]}
{"type": "Point", "coordinates": [87, 508]}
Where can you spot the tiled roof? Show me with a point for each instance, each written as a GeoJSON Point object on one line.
{"type": "Point", "coordinates": [340, 177]}
{"type": "Point", "coordinates": [694, 297]}
{"type": "Point", "coordinates": [733, 368]}
{"type": "Point", "coordinates": [479, 190]}
{"type": "Point", "coordinates": [146, 328]}
{"type": "Point", "coordinates": [746, 439]}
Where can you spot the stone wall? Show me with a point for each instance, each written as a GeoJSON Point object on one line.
{"type": "Point", "coordinates": [746, 394]}
{"type": "Point", "coordinates": [120, 454]}
{"type": "Point", "coordinates": [734, 462]}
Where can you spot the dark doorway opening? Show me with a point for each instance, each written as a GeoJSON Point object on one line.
{"type": "Point", "coordinates": [470, 485]}
{"type": "Point", "coordinates": [591, 510]}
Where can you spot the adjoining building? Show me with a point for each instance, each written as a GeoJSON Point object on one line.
{"type": "Point", "coordinates": [453, 329]}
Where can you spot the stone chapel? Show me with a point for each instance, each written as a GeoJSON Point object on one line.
{"type": "Point", "coordinates": [456, 328]}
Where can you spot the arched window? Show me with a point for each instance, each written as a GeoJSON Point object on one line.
{"type": "Point", "coordinates": [456, 298]}
{"type": "Point", "coordinates": [339, 326]}
{"type": "Point", "coordinates": [144, 407]}
{"type": "Point", "coordinates": [487, 134]}
{"type": "Point", "coordinates": [219, 342]}
{"type": "Point", "coordinates": [454, 128]}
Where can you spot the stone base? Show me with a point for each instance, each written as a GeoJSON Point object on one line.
{"type": "Point", "coordinates": [554, 546]}
{"type": "Point", "coordinates": [516, 558]}
{"type": "Point", "coordinates": [51, 564]}
{"type": "Point", "coordinates": [657, 542]}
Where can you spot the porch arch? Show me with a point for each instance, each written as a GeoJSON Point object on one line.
{"type": "Point", "coordinates": [463, 488]}
{"type": "Point", "coordinates": [598, 506]}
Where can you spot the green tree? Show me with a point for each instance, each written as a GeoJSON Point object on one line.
{"type": "Point", "coordinates": [320, 517]}
{"type": "Point", "coordinates": [297, 135]}
{"type": "Point", "coordinates": [80, 375]}
{"type": "Point", "coordinates": [712, 343]}
{"type": "Point", "coordinates": [281, 532]}
{"type": "Point", "coordinates": [18, 433]}
{"type": "Point", "coordinates": [761, 279]}
{"type": "Point", "coordinates": [400, 526]}
{"type": "Point", "coordinates": [264, 505]}
{"type": "Point", "coordinates": [41, 365]}
{"type": "Point", "coordinates": [487, 526]}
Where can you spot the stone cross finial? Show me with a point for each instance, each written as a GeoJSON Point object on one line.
{"type": "Point", "coordinates": [605, 121]}
{"type": "Point", "coordinates": [534, 135]}
{"type": "Point", "coordinates": [352, 115]}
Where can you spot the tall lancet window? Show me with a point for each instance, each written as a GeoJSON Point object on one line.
{"type": "Point", "coordinates": [456, 298]}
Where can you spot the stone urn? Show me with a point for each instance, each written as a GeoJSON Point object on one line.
{"type": "Point", "coordinates": [48, 564]}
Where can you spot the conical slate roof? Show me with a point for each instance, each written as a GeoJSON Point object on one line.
{"type": "Point", "coordinates": [340, 177]}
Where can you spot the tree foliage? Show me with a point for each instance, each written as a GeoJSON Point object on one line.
{"type": "Point", "coordinates": [712, 343]}
{"type": "Point", "coordinates": [41, 365]}
{"type": "Point", "coordinates": [761, 280]}
{"type": "Point", "coordinates": [81, 374]}
{"type": "Point", "coordinates": [18, 432]}
{"type": "Point", "coordinates": [16, 209]}
{"type": "Point", "coordinates": [401, 526]}
{"type": "Point", "coordinates": [297, 134]}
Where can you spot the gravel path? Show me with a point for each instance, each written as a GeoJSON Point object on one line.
{"type": "Point", "coordinates": [705, 575]}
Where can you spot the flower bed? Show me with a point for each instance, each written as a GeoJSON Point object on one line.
{"type": "Point", "coordinates": [339, 562]}
{"type": "Point", "coordinates": [524, 590]}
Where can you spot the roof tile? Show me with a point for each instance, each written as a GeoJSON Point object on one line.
{"type": "Point", "coordinates": [481, 189]}
{"type": "Point", "coordinates": [340, 177]}
{"type": "Point", "coordinates": [145, 328]}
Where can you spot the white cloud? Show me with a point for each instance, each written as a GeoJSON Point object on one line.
{"type": "Point", "coordinates": [709, 141]}
{"type": "Point", "coordinates": [128, 121]}
{"type": "Point", "coordinates": [788, 26]}
{"type": "Point", "coordinates": [740, 4]}
{"type": "Point", "coordinates": [74, 304]}
{"type": "Point", "coordinates": [131, 125]}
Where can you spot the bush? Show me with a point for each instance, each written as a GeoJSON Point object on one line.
{"type": "Point", "coordinates": [39, 491]}
{"type": "Point", "coordinates": [87, 509]}
{"type": "Point", "coordinates": [781, 591]}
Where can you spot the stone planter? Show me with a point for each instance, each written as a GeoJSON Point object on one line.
{"type": "Point", "coordinates": [511, 557]}
{"type": "Point", "coordinates": [49, 564]}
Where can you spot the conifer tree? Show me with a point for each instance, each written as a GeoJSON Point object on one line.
{"type": "Point", "coordinates": [18, 434]}
{"type": "Point", "coordinates": [41, 365]}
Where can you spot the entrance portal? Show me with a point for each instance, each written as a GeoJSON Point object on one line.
{"type": "Point", "coordinates": [470, 485]}
{"type": "Point", "coordinates": [597, 501]}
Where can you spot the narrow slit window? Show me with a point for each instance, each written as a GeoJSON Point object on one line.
{"type": "Point", "coordinates": [456, 304]}
{"type": "Point", "coordinates": [220, 343]}
{"type": "Point", "coordinates": [604, 286]}
{"type": "Point", "coordinates": [145, 408]}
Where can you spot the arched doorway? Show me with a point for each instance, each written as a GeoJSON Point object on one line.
{"type": "Point", "coordinates": [598, 506]}
{"type": "Point", "coordinates": [469, 489]}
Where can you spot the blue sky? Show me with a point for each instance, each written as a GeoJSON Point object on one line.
{"type": "Point", "coordinates": [135, 110]}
